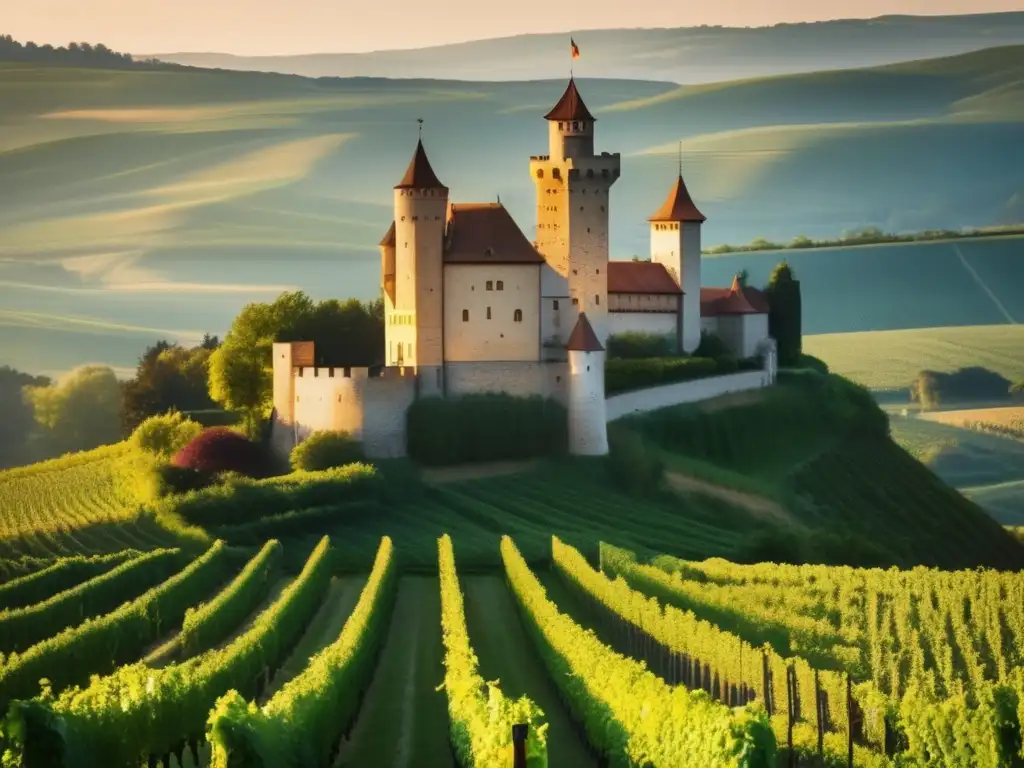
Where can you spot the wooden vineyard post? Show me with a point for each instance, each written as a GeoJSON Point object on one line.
{"type": "Point", "coordinates": [849, 720]}
{"type": "Point", "coordinates": [791, 714]}
{"type": "Point", "coordinates": [767, 695]}
{"type": "Point", "coordinates": [519, 732]}
{"type": "Point", "coordinates": [819, 706]}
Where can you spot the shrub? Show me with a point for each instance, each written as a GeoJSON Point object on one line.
{"type": "Point", "coordinates": [812, 363]}
{"type": "Point", "coordinates": [484, 428]}
{"type": "Point", "coordinates": [625, 375]}
{"type": "Point", "coordinates": [166, 434]}
{"type": "Point", "coordinates": [932, 388]}
{"type": "Point", "coordinates": [712, 345]}
{"type": "Point", "coordinates": [634, 344]}
{"type": "Point", "coordinates": [633, 465]}
{"type": "Point", "coordinates": [325, 450]}
{"type": "Point", "coordinates": [221, 449]}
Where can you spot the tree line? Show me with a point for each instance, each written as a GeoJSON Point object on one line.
{"type": "Point", "coordinates": [41, 418]}
{"type": "Point", "coordinates": [75, 54]}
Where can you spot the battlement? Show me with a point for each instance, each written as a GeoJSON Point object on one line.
{"type": "Point", "coordinates": [337, 372]}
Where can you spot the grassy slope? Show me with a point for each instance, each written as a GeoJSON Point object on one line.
{"type": "Point", "coordinates": [128, 180]}
{"type": "Point", "coordinates": [817, 446]}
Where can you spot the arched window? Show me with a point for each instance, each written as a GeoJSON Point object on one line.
{"type": "Point", "coordinates": [517, 316]}
{"type": "Point", "coordinates": [465, 315]}
{"type": "Point", "coordinates": [501, 285]}
{"type": "Point", "coordinates": [490, 285]}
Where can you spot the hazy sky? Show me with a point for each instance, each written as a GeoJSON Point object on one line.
{"type": "Point", "coordinates": [309, 26]}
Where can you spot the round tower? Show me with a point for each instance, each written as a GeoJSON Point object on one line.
{"type": "Point", "coordinates": [415, 329]}
{"type": "Point", "coordinates": [588, 427]}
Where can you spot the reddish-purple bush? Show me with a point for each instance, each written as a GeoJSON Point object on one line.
{"type": "Point", "coordinates": [220, 449]}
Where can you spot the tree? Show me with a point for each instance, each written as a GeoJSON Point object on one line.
{"type": "Point", "coordinates": [16, 416]}
{"type": "Point", "coordinates": [168, 377]}
{"type": "Point", "coordinates": [785, 323]}
{"type": "Point", "coordinates": [79, 412]}
{"type": "Point", "coordinates": [344, 334]}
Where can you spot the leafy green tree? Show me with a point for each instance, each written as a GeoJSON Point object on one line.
{"type": "Point", "coordinates": [79, 412]}
{"type": "Point", "coordinates": [344, 334]}
{"type": "Point", "coordinates": [168, 377]}
{"type": "Point", "coordinates": [785, 323]}
{"type": "Point", "coordinates": [16, 416]}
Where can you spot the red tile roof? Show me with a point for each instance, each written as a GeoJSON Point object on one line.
{"type": "Point", "coordinates": [570, 106]}
{"type": "Point", "coordinates": [583, 338]}
{"type": "Point", "coordinates": [735, 300]}
{"type": "Point", "coordinates": [485, 233]}
{"type": "Point", "coordinates": [678, 206]}
{"type": "Point", "coordinates": [389, 238]}
{"type": "Point", "coordinates": [419, 174]}
{"type": "Point", "coordinates": [640, 277]}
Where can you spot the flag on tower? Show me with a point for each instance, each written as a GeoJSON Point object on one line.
{"type": "Point", "coordinates": [575, 48]}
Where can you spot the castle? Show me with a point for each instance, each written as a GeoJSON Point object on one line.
{"type": "Point", "coordinates": [472, 305]}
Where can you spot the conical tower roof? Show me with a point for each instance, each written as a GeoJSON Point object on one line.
{"type": "Point", "coordinates": [419, 174]}
{"type": "Point", "coordinates": [388, 241]}
{"type": "Point", "coordinates": [570, 106]}
{"type": "Point", "coordinates": [678, 206]}
{"type": "Point", "coordinates": [583, 338]}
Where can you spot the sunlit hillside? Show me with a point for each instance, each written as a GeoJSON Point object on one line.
{"type": "Point", "coordinates": [137, 205]}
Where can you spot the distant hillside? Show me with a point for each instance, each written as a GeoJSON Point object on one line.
{"type": "Point", "coordinates": [683, 55]}
{"type": "Point", "coordinates": [137, 205]}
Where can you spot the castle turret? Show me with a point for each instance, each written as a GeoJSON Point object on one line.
{"type": "Point", "coordinates": [573, 185]}
{"type": "Point", "coordinates": [675, 242]}
{"type": "Point", "coordinates": [414, 327]}
{"type": "Point", "coordinates": [588, 428]}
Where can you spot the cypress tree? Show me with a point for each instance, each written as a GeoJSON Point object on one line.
{"type": "Point", "coordinates": [785, 313]}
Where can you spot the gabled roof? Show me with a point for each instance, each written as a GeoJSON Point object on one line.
{"type": "Point", "coordinates": [389, 239]}
{"type": "Point", "coordinates": [419, 174]}
{"type": "Point", "coordinates": [485, 233]}
{"type": "Point", "coordinates": [735, 300]}
{"type": "Point", "coordinates": [583, 338]}
{"type": "Point", "coordinates": [570, 106]}
{"type": "Point", "coordinates": [678, 206]}
{"type": "Point", "coordinates": [640, 277]}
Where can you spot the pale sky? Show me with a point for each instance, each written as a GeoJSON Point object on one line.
{"type": "Point", "coordinates": [263, 27]}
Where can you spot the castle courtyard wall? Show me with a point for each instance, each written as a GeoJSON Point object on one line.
{"type": "Point", "coordinates": [659, 323]}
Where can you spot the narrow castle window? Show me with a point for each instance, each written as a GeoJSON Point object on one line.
{"type": "Point", "coordinates": [490, 285]}
{"type": "Point", "coordinates": [575, 302]}
{"type": "Point", "coordinates": [501, 285]}
{"type": "Point", "coordinates": [517, 316]}
{"type": "Point", "coordinates": [488, 313]}
{"type": "Point", "coordinates": [465, 315]}
{"type": "Point", "coordinates": [554, 305]}
{"type": "Point", "coordinates": [597, 299]}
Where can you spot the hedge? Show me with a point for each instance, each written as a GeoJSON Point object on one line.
{"type": "Point", "coordinates": [484, 427]}
{"type": "Point", "coordinates": [625, 375]}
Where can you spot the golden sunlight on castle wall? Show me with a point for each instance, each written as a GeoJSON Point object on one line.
{"type": "Point", "coordinates": [491, 312]}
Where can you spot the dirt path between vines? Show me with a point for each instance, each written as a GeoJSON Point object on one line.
{"type": "Point", "coordinates": [758, 506]}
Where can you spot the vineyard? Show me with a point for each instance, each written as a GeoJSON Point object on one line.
{"type": "Point", "coordinates": [367, 616]}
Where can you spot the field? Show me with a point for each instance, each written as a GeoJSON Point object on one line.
{"type": "Point", "coordinates": [364, 630]}
{"type": "Point", "coordinates": [140, 205]}
{"type": "Point", "coordinates": [891, 360]}
{"type": "Point", "coordinates": [987, 468]}
{"type": "Point", "coordinates": [1008, 420]}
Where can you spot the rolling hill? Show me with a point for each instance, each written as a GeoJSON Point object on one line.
{"type": "Point", "coordinates": [684, 55]}
{"type": "Point", "coordinates": [137, 205]}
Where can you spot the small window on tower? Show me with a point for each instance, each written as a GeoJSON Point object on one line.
{"type": "Point", "coordinates": [465, 315]}
{"type": "Point", "coordinates": [554, 305]}
{"type": "Point", "coordinates": [575, 302]}
{"type": "Point", "coordinates": [517, 316]}
{"type": "Point", "coordinates": [597, 299]}
{"type": "Point", "coordinates": [490, 285]}
{"type": "Point", "coordinates": [488, 313]}
{"type": "Point", "coordinates": [501, 285]}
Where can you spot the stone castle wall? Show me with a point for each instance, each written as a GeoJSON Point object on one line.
{"type": "Point", "coordinates": [521, 379]}
{"type": "Point", "coordinates": [643, 400]}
